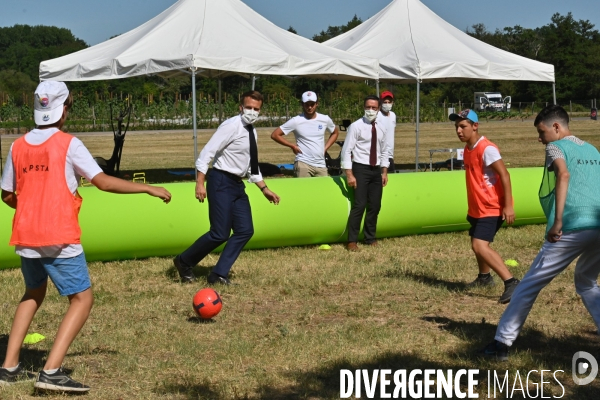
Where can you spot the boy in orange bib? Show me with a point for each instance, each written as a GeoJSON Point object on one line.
{"type": "Point", "coordinates": [490, 200]}
{"type": "Point", "coordinates": [40, 182]}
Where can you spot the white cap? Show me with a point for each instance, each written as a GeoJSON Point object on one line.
{"type": "Point", "coordinates": [309, 96]}
{"type": "Point", "coordinates": [50, 96]}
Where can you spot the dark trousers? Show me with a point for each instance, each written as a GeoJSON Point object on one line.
{"type": "Point", "coordinates": [228, 209]}
{"type": "Point", "coordinates": [367, 194]}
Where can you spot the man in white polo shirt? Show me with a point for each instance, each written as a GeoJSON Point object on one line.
{"type": "Point", "coordinates": [388, 118]}
{"type": "Point", "coordinates": [309, 129]}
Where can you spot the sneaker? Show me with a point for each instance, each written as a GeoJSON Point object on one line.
{"type": "Point", "coordinates": [59, 381]}
{"type": "Point", "coordinates": [9, 377]}
{"type": "Point", "coordinates": [496, 349]}
{"type": "Point", "coordinates": [185, 271]}
{"type": "Point", "coordinates": [482, 280]}
{"type": "Point", "coordinates": [213, 278]}
{"type": "Point", "coordinates": [508, 291]}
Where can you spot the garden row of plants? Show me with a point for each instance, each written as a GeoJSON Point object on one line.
{"type": "Point", "coordinates": [171, 114]}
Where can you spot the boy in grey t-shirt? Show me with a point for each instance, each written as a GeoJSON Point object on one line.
{"type": "Point", "coordinates": [309, 129]}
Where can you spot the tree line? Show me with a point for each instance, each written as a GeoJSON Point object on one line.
{"type": "Point", "coordinates": [572, 46]}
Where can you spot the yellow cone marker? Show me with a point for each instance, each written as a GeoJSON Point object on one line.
{"type": "Point", "coordinates": [33, 338]}
{"type": "Point", "coordinates": [511, 263]}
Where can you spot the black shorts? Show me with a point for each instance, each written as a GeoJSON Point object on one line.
{"type": "Point", "coordinates": [484, 228]}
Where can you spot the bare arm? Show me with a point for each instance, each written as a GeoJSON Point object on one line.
{"type": "Point", "coordinates": [278, 136]}
{"type": "Point", "coordinates": [332, 138]}
{"type": "Point", "coordinates": [561, 189]}
{"type": "Point", "coordinates": [111, 184]}
{"type": "Point", "coordinates": [9, 198]}
{"type": "Point", "coordinates": [508, 213]}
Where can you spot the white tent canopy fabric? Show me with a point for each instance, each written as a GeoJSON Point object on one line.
{"type": "Point", "coordinates": [413, 43]}
{"type": "Point", "coordinates": [215, 38]}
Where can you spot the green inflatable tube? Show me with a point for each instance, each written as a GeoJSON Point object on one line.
{"type": "Point", "coordinates": [312, 211]}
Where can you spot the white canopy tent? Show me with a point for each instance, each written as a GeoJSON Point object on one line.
{"type": "Point", "coordinates": [210, 38]}
{"type": "Point", "coordinates": [414, 44]}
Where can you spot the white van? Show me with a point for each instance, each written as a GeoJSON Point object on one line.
{"type": "Point", "coordinates": [491, 101]}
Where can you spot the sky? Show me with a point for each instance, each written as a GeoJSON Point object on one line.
{"type": "Point", "coordinates": [97, 21]}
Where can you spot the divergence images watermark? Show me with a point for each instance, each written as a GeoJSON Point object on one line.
{"type": "Point", "coordinates": [464, 383]}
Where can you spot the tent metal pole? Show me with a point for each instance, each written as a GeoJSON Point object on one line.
{"type": "Point", "coordinates": [554, 92]}
{"type": "Point", "coordinates": [377, 87]}
{"type": "Point", "coordinates": [194, 116]}
{"type": "Point", "coordinates": [253, 81]}
{"type": "Point", "coordinates": [417, 129]}
{"type": "Point", "coordinates": [220, 104]}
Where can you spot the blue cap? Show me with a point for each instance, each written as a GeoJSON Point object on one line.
{"type": "Point", "coordinates": [465, 114]}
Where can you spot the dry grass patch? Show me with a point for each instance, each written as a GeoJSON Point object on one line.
{"type": "Point", "coordinates": [299, 315]}
{"type": "Point", "coordinates": [175, 149]}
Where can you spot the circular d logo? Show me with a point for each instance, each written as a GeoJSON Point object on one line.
{"type": "Point", "coordinates": [584, 363]}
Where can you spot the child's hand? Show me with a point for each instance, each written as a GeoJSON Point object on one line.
{"type": "Point", "coordinates": [555, 233]}
{"type": "Point", "coordinates": [160, 192]}
{"type": "Point", "coordinates": [508, 215]}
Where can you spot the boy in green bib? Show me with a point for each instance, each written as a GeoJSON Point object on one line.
{"type": "Point", "coordinates": [570, 197]}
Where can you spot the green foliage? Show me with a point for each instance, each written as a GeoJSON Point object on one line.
{"type": "Point", "coordinates": [8, 110]}
{"type": "Point", "coordinates": [573, 47]}
{"type": "Point", "coordinates": [23, 47]}
{"type": "Point", "coordinates": [333, 31]}
{"type": "Point", "coordinates": [14, 84]}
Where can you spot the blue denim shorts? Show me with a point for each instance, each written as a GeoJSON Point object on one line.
{"type": "Point", "coordinates": [69, 275]}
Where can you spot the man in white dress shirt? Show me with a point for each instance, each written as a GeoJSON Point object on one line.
{"type": "Point", "coordinates": [388, 117]}
{"type": "Point", "coordinates": [235, 156]}
{"type": "Point", "coordinates": [309, 129]}
{"type": "Point", "coordinates": [365, 158]}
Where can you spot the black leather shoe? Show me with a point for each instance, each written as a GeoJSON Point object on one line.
{"type": "Point", "coordinates": [185, 271]}
{"type": "Point", "coordinates": [215, 278]}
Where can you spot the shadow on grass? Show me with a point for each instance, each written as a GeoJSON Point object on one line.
{"type": "Point", "coordinates": [198, 320]}
{"type": "Point", "coordinates": [323, 382]}
{"type": "Point", "coordinates": [426, 279]}
{"type": "Point", "coordinates": [533, 348]}
{"type": "Point", "coordinates": [547, 350]}
{"type": "Point", "coordinates": [433, 281]}
{"type": "Point", "coordinates": [53, 393]}
{"type": "Point", "coordinates": [188, 390]}
{"type": "Point", "coordinates": [31, 359]}
{"type": "Point", "coordinates": [199, 271]}
{"type": "Point", "coordinates": [535, 351]}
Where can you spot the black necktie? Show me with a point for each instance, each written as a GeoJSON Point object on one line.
{"type": "Point", "coordinates": [253, 150]}
{"type": "Point", "coordinates": [373, 153]}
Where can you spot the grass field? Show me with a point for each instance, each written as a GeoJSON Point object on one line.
{"type": "Point", "coordinates": [299, 315]}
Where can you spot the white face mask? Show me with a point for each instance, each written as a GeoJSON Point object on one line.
{"type": "Point", "coordinates": [387, 107]}
{"type": "Point", "coordinates": [370, 115]}
{"type": "Point", "coordinates": [249, 116]}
